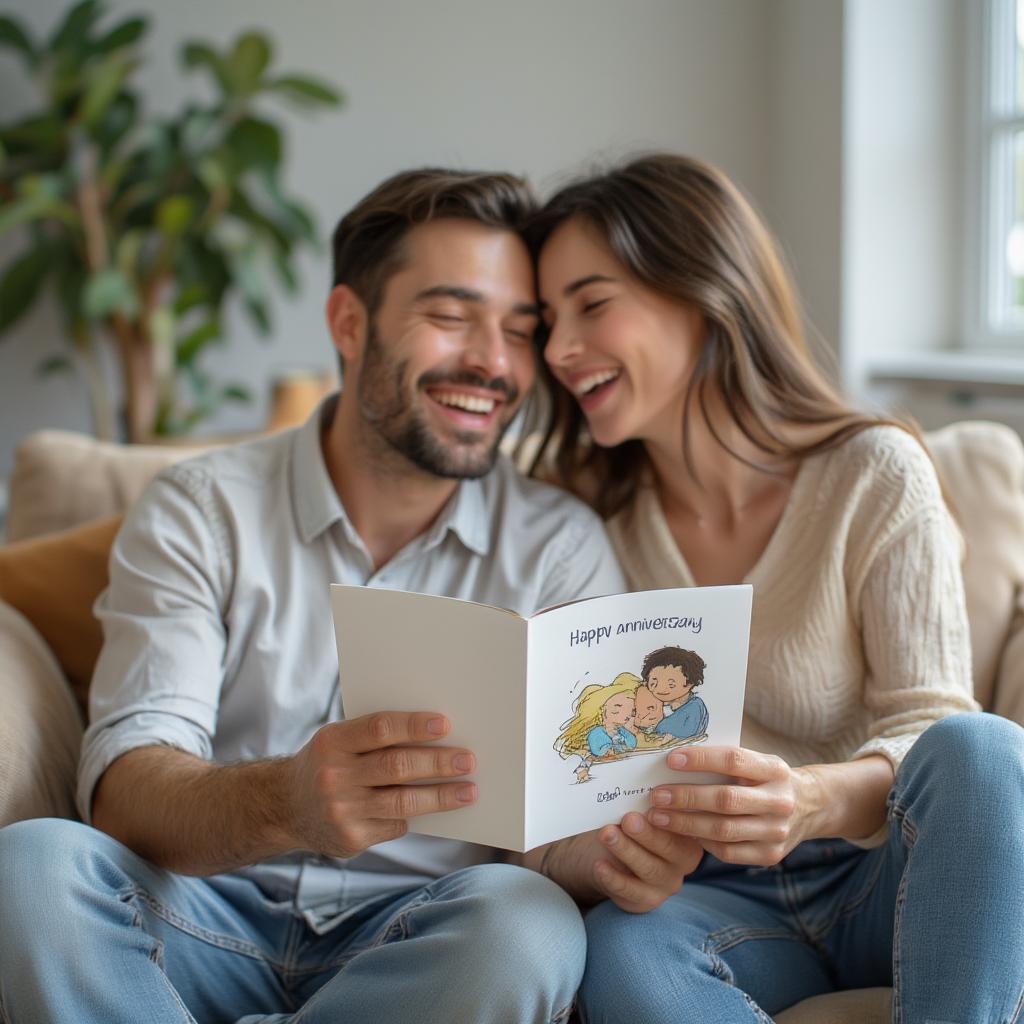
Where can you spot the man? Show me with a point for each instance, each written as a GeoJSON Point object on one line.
{"type": "Point", "coordinates": [249, 855]}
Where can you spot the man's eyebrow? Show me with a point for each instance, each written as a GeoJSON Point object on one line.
{"type": "Point", "coordinates": [463, 294]}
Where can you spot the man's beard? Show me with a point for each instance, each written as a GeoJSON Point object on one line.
{"type": "Point", "coordinates": [384, 405]}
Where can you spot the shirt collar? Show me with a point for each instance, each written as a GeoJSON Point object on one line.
{"type": "Point", "coordinates": [318, 506]}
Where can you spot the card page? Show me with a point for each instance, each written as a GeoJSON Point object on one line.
{"type": "Point", "coordinates": [599, 731]}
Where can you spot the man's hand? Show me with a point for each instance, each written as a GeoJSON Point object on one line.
{"type": "Point", "coordinates": [356, 783]}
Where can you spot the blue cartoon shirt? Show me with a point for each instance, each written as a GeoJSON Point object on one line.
{"type": "Point", "coordinates": [602, 742]}
{"type": "Point", "coordinates": [689, 719]}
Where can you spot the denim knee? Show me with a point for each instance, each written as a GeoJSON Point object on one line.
{"type": "Point", "coordinates": [965, 768]}
{"type": "Point", "coordinates": [976, 746]}
{"type": "Point", "coordinates": [533, 922]}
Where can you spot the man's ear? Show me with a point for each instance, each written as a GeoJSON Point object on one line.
{"type": "Point", "coordinates": [347, 322]}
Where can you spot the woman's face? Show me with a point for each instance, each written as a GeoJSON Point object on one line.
{"type": "Point", "coordinates": [624, 351]}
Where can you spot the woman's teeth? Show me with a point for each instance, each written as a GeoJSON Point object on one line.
{"type": "Point", "coordinates": [594, 380]}
{"type": "Point", "coordinates": [469, 403]}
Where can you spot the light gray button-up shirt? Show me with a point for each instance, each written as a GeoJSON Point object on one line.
{"type": "Point", "coordinates": [218, 632]}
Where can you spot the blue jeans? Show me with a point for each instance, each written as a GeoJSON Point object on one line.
{"type": "Point", "coordinates": [937, 911]}
{"type": "Point", "coordinates": [90, 933]}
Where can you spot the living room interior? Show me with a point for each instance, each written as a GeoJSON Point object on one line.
{"type": "Point", "coordinates": [880, 141]}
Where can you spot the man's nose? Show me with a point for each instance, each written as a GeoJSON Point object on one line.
{"type": "Point", "coordinates": [488, 352]}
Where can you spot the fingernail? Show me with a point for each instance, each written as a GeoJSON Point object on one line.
{"type": "Point", "coordinates": [611, 837]}
{"type": "Point", "coordinates": [661, 797]}
{"type": "Point", "coordinates": [634, 823]}
{"type": "Point", "coordinates": [436, 726]}
{"type": "Point", "coordinates": [677, 760]}
{"type": "Point", "coordinates": [466, 794]}
{"type": "Point", "coordinates": [660, 818]}
{"type": "Point", "coordinates": [463, 762]}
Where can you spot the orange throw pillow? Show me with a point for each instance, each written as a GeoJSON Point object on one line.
{"type": "Point", "coordinates": [53, 581]}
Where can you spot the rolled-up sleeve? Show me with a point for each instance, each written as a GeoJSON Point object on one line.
{"type": "Point", "coordinates": [159, 674]}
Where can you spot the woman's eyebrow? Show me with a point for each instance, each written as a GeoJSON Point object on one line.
{"type": "Point", "coordinates": [582, 282]}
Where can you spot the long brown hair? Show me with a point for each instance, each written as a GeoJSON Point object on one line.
{"type": "Point", "coordinates": [683, 229]}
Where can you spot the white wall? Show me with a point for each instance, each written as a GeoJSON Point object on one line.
{"type": "Point", "coordinates": [537, 87]}
{"type": "Point", "coordinates": [904, 195]}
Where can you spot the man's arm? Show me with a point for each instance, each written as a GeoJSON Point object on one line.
{"type": "Point", "coordinates": [353, 785]}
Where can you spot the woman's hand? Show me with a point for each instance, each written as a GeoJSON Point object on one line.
{"type": "Point", "coordinates": [634, 864]}
{"type": "Point", "coordinates": [756, 819]}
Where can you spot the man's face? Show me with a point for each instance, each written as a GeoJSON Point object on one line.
{"type": "Point", "coordinates": [649, 710]}
{"type": "Point", "coordinates": [449, 355]}
{"type": "Point", "coordinates": [668, 684]}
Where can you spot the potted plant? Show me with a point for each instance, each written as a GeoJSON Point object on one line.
{"type": "Point", "coordinates": [145, 227]}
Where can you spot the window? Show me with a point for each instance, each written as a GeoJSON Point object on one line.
{"type": "Point", "coordinates": [1000, 291]}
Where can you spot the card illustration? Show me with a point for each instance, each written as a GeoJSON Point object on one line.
{"type": "Point", "coordinates": [637, 714]}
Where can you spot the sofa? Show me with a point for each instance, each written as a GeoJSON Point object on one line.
{"type": "Point", "coordinates": [67, 493]}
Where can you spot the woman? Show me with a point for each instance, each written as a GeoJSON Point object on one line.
{"type": "Point", "coordinates": [862, 843]}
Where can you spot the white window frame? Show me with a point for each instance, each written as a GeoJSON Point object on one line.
{"type": "Point", "coordinates": [992, 322]}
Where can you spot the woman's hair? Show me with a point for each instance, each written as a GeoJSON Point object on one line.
{"type": "Point", "coordinates": [683, 229]}
{"type": "Point", "coordinates": [588, 712]}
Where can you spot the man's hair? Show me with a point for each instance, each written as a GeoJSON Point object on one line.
{"type": "Point", "coordinates": [367, 243]}
{"type": "Point", "coordinates": [689, 662]}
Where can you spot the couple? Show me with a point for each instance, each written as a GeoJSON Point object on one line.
{"type": "Point", "coordinates": [248, 857]}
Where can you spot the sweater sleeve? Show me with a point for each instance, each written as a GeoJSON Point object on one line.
{"type": "Point", "coordinates": [916, 640]}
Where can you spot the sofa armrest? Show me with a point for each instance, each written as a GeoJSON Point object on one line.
{"type": "Point", "coordinates": [40, 727]}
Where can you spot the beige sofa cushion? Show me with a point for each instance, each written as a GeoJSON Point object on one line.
{"type": "Point", "coordinates": [40, 727]}
{"type": "Point", "coordinates": [54, 581]}
{"type": "Point", "coordinates": [982, 469]}
{"type": "Point", "coordinates": [858, 1006]}
{"type": "Point", "coordinates": [62, 479]}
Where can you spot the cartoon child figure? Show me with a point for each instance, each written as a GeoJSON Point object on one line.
{"type": "Point", "coordinates": [601, 728]}
{"type": "Point", "coordinates": [649, 713]}
{"type": "Point", "coordinates": [671, 675]}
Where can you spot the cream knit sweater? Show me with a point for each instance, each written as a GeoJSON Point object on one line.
{"type": "Point", "coordinates": [859, 637]}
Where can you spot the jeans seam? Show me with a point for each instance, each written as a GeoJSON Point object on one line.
{"type": "Point", "coordinates": [397, 928]}
{"type": "Point", "coordinates": [721, 970]}
{"type": "Point", "coordinates": [1018, 1012]}
{"type": "Point", "coordinates": [728, 938]}
{"type": "Point", "coordinates": [900, 814]}
{"type": "Point", "coordinates": [174, 919]}
{"type": "Point", "coordinates": [856, 902]}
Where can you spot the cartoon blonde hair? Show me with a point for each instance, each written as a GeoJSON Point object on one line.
{"type": "Point", "coordinates": [587, 712]}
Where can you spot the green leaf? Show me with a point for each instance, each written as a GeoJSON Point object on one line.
{"type": "Point", "coordinates": [174, 215]}
{"type": "Point", "coordinates": [118, 119]}
{"type": "Point", "coordinates": [199, 55]}
{"type": "Point", "coordinates": [125, 34]}
{"type": "Point", "coordinates": [104, 85]}
{"type": "Point", "coordinates": [195, 341]}
{"type": "Point", "coordinates": [75, 28]}
{"type": "Point", "coordinates": [248, 60]}
{"type": "Point", "coordinates": [128, 250]}
{"type": "Point", "coordinates": [54, 365]}
{"type": "Point", "coordinates": [286, 272]}
{"type": "Point", "coordinates": [307, 92]}
{"type": "Point", "coordinates": [14, 36]}
{"type": "Point", "coordinates": [42, 134]}
{"type": "Point", "coordinates": [254, 143]}
{"type": "Point", "coordinates": [189, 297]}
{"type": "Point", "coordinates": [21, 283]}
{"type": "Point", "coordinates": [109, 291]}
{"type": "Point", "coordinates": [36, 207]}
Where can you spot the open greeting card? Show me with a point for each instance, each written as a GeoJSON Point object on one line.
{"type": "Point", "coordinates": [570, 712]}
